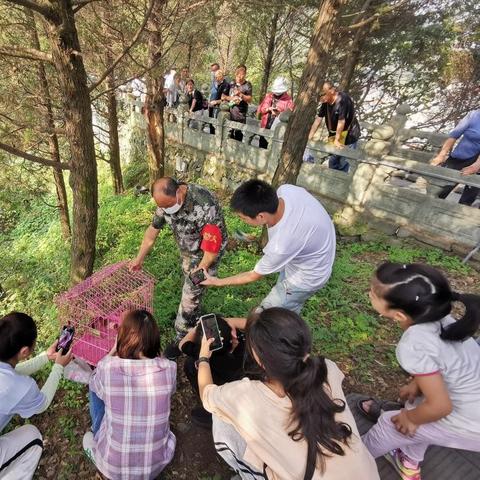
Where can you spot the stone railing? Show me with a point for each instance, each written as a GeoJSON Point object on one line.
{"type": "Point", "coordinates": [390, 186]}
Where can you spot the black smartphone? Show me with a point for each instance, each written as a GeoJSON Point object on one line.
{"type": "Point", "coordinates": [197, 277]}
{"type": "Point", "coordinates": [210, 330]}
{"type": "Point", "coordinates": [65, 338]}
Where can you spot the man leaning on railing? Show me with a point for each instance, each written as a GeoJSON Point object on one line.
{"type": "Point", "coordinates": [464, 156]}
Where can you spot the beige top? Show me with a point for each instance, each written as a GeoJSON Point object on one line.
{"type": "Point", "coordinates": [261, 417]}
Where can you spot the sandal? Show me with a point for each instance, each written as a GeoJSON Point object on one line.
{"type": "Point", "coordinates": [377, 407]}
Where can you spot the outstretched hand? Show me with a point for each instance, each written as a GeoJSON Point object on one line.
{"type": "Point", "coordinates": [210, 281]}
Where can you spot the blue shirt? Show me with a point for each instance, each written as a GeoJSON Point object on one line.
{"type": "Point", "coordinates": [469, 145]}
{"type": "Point", "coordinates": [213, 88]}
{"type": "Point", "coordinates": [19, 394]}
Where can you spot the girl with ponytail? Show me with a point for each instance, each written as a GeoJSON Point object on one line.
{"type": "Point", "coordinates": [438, 351]}
{"type": "Point", "coordinates": [293, 423]}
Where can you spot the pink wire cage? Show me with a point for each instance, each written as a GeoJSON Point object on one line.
{"type": "Point", "coordinates": [95, 306]}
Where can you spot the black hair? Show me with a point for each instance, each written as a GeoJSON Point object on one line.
{"type": "Point", "coordinates": [17, 330]}
{"type": "Point", "coordinates": [424, 294]}
{"type": "Point", "coordinates": [282, 342]}
{"type": "Point", "coordinates": [169, 188]}
{"type": "Point", "coordinates": [241, 66]}
{"type": "Point", "coordinates": [215, 65]}
{"type": "Point", "coordinates": [253, 197]}
{"type": "Point", "coordinates": [225, 332]}
{"type": "Point", "coordinates": [190, 80]}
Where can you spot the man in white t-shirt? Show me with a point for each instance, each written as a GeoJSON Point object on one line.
{"type": "Point", "coordinates": [301, 242]}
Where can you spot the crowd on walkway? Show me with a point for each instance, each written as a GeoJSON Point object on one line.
{"type": "Point", "coordinates": [276, 409]}
{"type": "Point", "coordinates": [461, 150]}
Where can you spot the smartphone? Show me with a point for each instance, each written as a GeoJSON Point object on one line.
{"type": "Point", "coordinates": [197, 277]}
{"type": "Point", "coordinates": [65, 338]}
{"type": "Point", "coordinates": [210, 330]}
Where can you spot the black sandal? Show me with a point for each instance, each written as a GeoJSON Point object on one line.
{"type": "Point", "coordinates": [377, 407]}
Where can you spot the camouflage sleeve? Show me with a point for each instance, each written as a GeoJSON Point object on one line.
{"type": "Point", "coordinates": [158, 220]}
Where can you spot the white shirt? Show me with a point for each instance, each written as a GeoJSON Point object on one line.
{"type": "Point", "coordinates": [421, 351]}
{"type": "Point", "coordinates": [19, 394]}
{"type": "Point", "coordinates": [302, 243]}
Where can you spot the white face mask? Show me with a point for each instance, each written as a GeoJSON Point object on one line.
{"type": "Point", "coordinates": [174, 209]}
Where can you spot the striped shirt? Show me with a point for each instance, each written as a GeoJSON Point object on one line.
{"type": "Point", "coordinates": [134, 440]}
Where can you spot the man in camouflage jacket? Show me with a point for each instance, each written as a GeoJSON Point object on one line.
{"type": "Point", "coordinates": [196, 218]}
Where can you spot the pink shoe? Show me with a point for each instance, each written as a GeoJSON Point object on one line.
{"type": "Point", "coordinates": [407, 469]}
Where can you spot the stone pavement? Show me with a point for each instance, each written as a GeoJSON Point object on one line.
{"type": "Point", "coordinates": [439, 464]}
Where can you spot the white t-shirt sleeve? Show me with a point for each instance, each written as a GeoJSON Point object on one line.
{"type": "Point", "coordinates": [272, 263]}
{"type": "Point", "coordinates": [417, 359]}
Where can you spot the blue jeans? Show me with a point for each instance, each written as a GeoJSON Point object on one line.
{"type": "Point", "coordinates": [97, 411]}
{"type": "Point", "coordinates": [337, 162]}
{"type": "Point", "coordinates": [287, 296]}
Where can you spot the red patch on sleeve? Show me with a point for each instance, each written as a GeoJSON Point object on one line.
{"type": "Point", "coordinates": [211, 238]}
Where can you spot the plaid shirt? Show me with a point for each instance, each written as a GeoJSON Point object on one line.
{"type": "Point", "coordinates": [134, 441]}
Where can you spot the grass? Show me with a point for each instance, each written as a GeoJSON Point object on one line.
{"type": "Point", "coordinates": [35, 262]}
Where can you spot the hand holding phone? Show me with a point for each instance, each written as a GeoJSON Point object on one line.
{"type": "Point", "coordinates": [65, 338]}
{"type": "Point", "coordinates": [197, 277]}
{"type": "Point", "coordinates": [211, 330]}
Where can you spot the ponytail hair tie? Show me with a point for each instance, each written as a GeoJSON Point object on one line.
{"type": "Point", "coordinates": [455, 296]}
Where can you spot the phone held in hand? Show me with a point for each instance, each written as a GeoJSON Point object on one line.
{"type": "Point", "coordinates": [211, 330]}
{"type": "Point", "coordinates": [65, 338]}
{"type": "Point", "coordinates": [197, 277]}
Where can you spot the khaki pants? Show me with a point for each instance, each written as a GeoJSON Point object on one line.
{"type": "Point", "coordinates": [190, 304]}
{"type": "Point", "coordinates": [20, 452]}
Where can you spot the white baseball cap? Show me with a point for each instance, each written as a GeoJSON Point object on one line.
{"type": "Point", "coordinates": [279, 86]}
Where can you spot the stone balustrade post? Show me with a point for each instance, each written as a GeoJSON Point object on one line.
{"type": "Point", "coordinates": [222, 117]}
{"type": "Point", "coordinates": [386, 137]}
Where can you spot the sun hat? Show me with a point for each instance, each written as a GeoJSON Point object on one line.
{"type": "Point", "coordinates": [279, 86]}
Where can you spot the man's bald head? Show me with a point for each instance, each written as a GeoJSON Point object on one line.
{"type": "Point", "coordinates": [164, 191]}
{"type": "Point", "coordinates": [167, 185]}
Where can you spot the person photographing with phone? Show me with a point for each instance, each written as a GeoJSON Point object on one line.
{"type": "Point", "coordinates": [226, 362]}
{"type": "Point", "coordinates": [21, 449]}
{"type": "Point", "coordinates": [197, 222]}
{"type": "Point", "coordinates": [293, 423]}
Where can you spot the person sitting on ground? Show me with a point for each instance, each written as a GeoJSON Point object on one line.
{"type": "Point", "coordinates": [21, 449]}
{"type": "Point", "coordinates": [130, 396]}
{"type": "Point", "coordinates": [274, 103]}
{"type": "Point", "coordinates": [343, 128]}
{"type": "Point", "coordinates": [239, 96]}
{"type": "Point", "coordinates": [294, 423]}
{"type": "Point", "coordinates": [301, 242]}
{"type": "Point", "coordinates": [464, 156]}
{"type": "Point", "coordinates": [443, 358]}
{"type": "Point", "coordinates": [195, 97]}
{"type": "Point", "coordinates": [226, 363]}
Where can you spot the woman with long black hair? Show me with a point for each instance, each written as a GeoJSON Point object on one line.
{"type": "Point", "coordinates": [293, 423]}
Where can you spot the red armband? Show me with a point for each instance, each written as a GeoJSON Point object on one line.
{"type": "Point", "coordinates": [211, 238]}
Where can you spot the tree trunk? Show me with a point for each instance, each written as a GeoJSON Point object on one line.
{"type": "Point", "coordinates": [355, 49]}
{"type": "Point", "coordinates": [72, 78]}
{"type": "Point", "coordinates": [113, 141]}
{"type": "Point", "coordinates": [268, 61]}
{"type": "Point", "coordinates": [301, 120]}
{"type": "Point", "coordinates": [154, 103]}
{"type": "Point", "coordinates": [112, 115]}
{"type": "Point", "coordinates": [53, 147]}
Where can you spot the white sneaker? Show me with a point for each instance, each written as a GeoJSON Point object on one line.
{"type": "Point", "coordinates": [88, 444]}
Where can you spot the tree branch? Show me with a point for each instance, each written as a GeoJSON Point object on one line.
{"type": "Point", "coordinates": [126, 50]}
{"type": "Point", "coordinates": [40, 8]}
{"type": "Point", "coordinates": [375, 16]}
{"type": "Point", "coordinates": [26, 53]}
{"type": "Point", "coordinates": [33, 158]}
